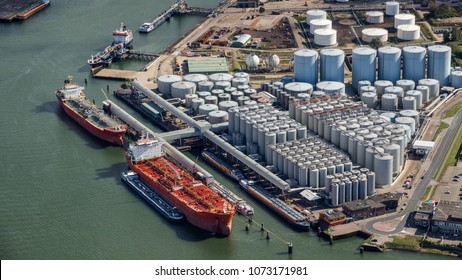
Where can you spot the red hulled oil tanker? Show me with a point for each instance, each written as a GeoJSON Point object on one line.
{"type": "Point", "coordinates": [93, 119]}
{"type": "Point", "coordinates": [200, 205]}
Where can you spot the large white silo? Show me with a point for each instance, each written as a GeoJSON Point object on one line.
{"type": "Point", "coordinates": [433, 86]}
{"type": "Point", "coordinates": [392, 8]}
{"type": "Point", "coordinates": [195, 78]}
{"type": "Point", "coordinates": [425, 90]}
{"type": "Point", "coordinates": [306, 66]}
{"type": "Point", "coordinates": [165, 82]}
{"type": "Point", "coordinates": [456, 78]}
{"type": "Point", "coordinates": [364, 62]}
{"type": "Point", "coordinates": [325, 37]}
{"type": "Point", "coordinates": [408, 32]}
{"type": "Point", "coordinates": [298, 87]}
{"type": "Point", "coordinates": [330, 87]}
{"type": "Point", "coordinates": [332, 65]}
{"type": "Point", "coordinates": [414, 61]}
{"type": "Point", "coordinates": [181, 89]}
{"type": "Point", "coordinates": [383, 168]}
{"type": "Point", "coordinates": [439, 63]}
{"type": "Point", "coordinates": [315, 14]}
{"type": "Point", "coordinates": [374, 17]}
{"type": "Point", "coordinates": [320, 24]}
{"type": "Point", "coordinates": [221, 77]}
{"type": "Point", "coordinates": [389, 63]}
{"type": "Point", "coordinates": [404, 19]}
{"type": "Point", "coordinates": [369, 34]}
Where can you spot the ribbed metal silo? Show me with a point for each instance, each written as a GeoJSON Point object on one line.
{"type": "Point", "coordinates": [306, 66]}
{"type": "Point", "coordinates": [433, 86]}
{"type": "Point", "coordinates": [332, 65]}
{"type": "Point", "coordinates": [409, 103]}
{"type": "Point", "coordinates": [364, 62]}
{"type": "Point", "coordinates": [370, 183]}
{"type": "Point", "coordinates": [231, 122]}
{"type": "Point", "coordinates": [341, 193]}
{"type": "Point", "coordinates": [348, 190]}
{"type": "Point", "coordinates": [370, 99]}
{"type": "Point", "coordinates": [322, 176]}
{"type": "Point", "coordinates": [383, 168]}
{"type": "Point", "coordinates": [395, 151]}
{"type": "Point", "coordinates": [417, 94]}
{"type": "Point", "coordinates": [389, 102]}
{"type": "Point", "coordinates": [456, 78]}
{"type": "Point", "coordinates": [314, 177]}
{"type": "Point", "coordinates": [354, 188]}
{"type": "Point", "coordinates": [362, 188]}
{"type": "Point", "coordinates": [380, 86]}
{"type": "Point", "coordinates": [414, 60]}
{"type": "Point", "coordinates": [389, 63]}
{"type": "Point", "coordinates": [439, 63]}
{"type": "Point", "coordinates": [334, 193]}
{"type": "Point", "coordinates": [165, 82]}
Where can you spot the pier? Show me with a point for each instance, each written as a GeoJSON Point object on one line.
{"type": "Point", "coordinates": [20, 9]}
{"type": "Point", "coordinates": [115, 74]}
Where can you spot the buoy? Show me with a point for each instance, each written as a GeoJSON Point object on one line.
{"type": "Point", "coordinates": [86, 81]}
{"type": "Point", "coordinates": [290, 247]}
{"type": "Point", "coordinates": [262, 227]}
{"type": "Point", "coordinates": [250, 220]}
{"type": "Point", "coordinates": [247, 227]}
{"type": "Point", "coordinates": [267, 235]}
{"type": "Point", "coordinates": [107, 88]}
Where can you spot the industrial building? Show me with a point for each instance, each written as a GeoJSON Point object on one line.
{"type": "Point", "coordinates": [331, 218]}
{"type": "Point", "coordinates": [363, 209]}
{"type": "Point", "coordinates": [248, 3]}
{"type": "Point", "coordinates": [207, 65]}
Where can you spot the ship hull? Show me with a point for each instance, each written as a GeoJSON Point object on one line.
{"type": "Point", "coordinates": [108, 135]}
{"type": "Point", "coordinates": [218, 223]}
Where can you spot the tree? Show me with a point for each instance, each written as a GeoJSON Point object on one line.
{"type": "Point", "coordinates": [456, 34]}
{"type": "Point", "coordinates": [376, 43]}
{"type": "Point", "coordinates": [261, 10]}
{"type": "Point", "coordinates": [446, 37]}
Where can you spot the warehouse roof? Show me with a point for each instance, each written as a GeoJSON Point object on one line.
{"type": "Point", "coordinates": [423, 145]}
{"type": "Point", "coordinates": [208, 65]}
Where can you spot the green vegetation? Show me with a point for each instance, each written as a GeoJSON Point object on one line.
{"type": "Point", "coordinates": [427, 32]}
{"type": "Point", "coordinates": [456, 51]}
{"type": "Point", "coordinates": [408, 242]}
{"type": "Point", "coordinates": [451, 155]}
{"type": "Point", "coordinates": [442, 126]}
{"type": "Point", "coordinates": [376, 43]}
{"type": "Point", "coordinates": [454, 109]}
{"type": "Point", "coordinates": [300, 19]}
{"type": "Point", "coordinates": [442, 11]}
{"type": "Point", "coordinates": [427, 191]}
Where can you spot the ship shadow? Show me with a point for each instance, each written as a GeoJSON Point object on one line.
{"type": "Point", "coordinates": [112, 171]}
{"type": "Point", "coordinates": [48, 107]}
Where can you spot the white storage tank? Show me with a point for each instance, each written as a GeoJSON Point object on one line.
{"type": "Point", "coordinates": [404, 19]}
{"type": "Point", "coordinates": [367, 89]}
{"type": "Point", "coordinates": [380, 86]}
{"type": "Point", "coordinates": [456, 78]}
{"type": "Point", "coordinates": [391, 8]}
{"type": "Point", "coordinates": [433, 86]}
{"type": "Point", "coordinates": [298, 87]}
{"type": "Point", "coordinates": [414, 61]}
{"type": "Point", "coordinates": [406, 85]}
{"type": "Point", "coordinates": [306, 66]}
{"type": "Point", "coordinates": [252, 61]}
{"type": "Point", "coordinates": [368, 34]}
{"type": "Point", "coordinates": [425, 92]}
{"type": "Point", "coordinates": [165, 82]}
{"type": "Point", "coordinates": [408, 32]}
{"type": "Point", "coordinates": [196, 103]}
{"type": "Point", "coordinates": [389, 63]}
{"type": "Point", "coordinates": [205, 109]}
{"type": "Point", "coordinates": [332, 65]}
{"type": "Point", "coordinates": [410, 122]}
{"type": "Point", "coordinates": [364, 62]}
{"type": "Point", "coordinates": [370, 183]}
{"type": "Point", "coordinates": [398, 91]}
{"type": "Point", "coordinates": [205, 86]}
{"type": "Point", "coordinates": [181, 89]}
{"type": "Point", "coordinates": [211, 99]}
{"type": "Point", "coordinates": [363, 83]}
{"type": "Point", "coordinates": [222, 85]}
{"type": "Point", "coordinates": [370, 99]}
{"type": "Point", "coordinates": [221, 77]}
{"type": "Point", "coordinates": [389, 102]}
{"type": "Point", "coordinates": [273, 61]}
{"type": "Point", "coordinates": [411, 114]}
{"type": "Point", "coordinates": [417, 95]}
{"type": "Point", "coordinates": [331, 88]}
{"type": "Point", "coordinates": [226, 105]}
{"type": "Point", "coordinates": [383, 168]}
{"type": "Point", "coordinates": [242, 75]}
{"type": "Point", "coordinates": [395, 151]}
{"type": "Point", "coordinates": [203, 94]}
{"type": "Point", "coordinates": [325, 37]}
{"type": "Point", "coordinates": [409, 103]}
{"type": "Point", "coordinates": [195, 78]}
{"type": "Point", "coordinates": [374, 17]}
{"type": "Point", "coordinates": [320, 24]}
{"type": "Point", "coordinates": [439, 63]}
{"type": "Point", "coordinates": [315, 14]}
{"type": "Point", "coordinates": [239, 82]}
{"type": "Point", "coordinates": [189, 98]}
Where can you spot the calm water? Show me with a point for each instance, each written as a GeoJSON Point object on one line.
{"type": "Point", "coordinates": [61, 197]}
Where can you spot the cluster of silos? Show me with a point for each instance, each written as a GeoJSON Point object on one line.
{"type": "Point", "coordinates": [350, 186]}
{"type": "Point", "coordinates": [369, 139]}
{"type": "Point", "coordinates": [407, 29]}
{"type": "Point", "coordinates": [258, 126]}
{"type": "Point", "coordinates": [331, 65]}
{"type": "Point", "coordinates": [321, 28]}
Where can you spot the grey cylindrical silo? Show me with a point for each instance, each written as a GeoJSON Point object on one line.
{"type": "Point", "coordinates": [409, 103]}
{"type": "Point", "coordinates": [364, 63]}
{"type": "Point", "coordinates": [188, 99]}
{"type": "Point", "coordinates": [414, 63]}
{"type": "Point", "coordinates": [332, 65]}
{"type": "Point", "coordinates": [334, 194]}
{"type": "Point", "coordinates": [367, 89]}
{"type": "Point", "coordinates": [314, 177]}
{"type": "Point", "coordinates": [362, 188]}
{"type": "Point", "coordinates": [389, 102]}
{"type": "Point", "coordinates": [425, 92]}
{"type": "Point", "coordinates": [395, 151]}
{"type": "Point", "coordinates": [322, 176]}
{"type": "Point", "coordinates": [370, 183]}
{"type": "Point", "coordinates": [306, 66]}
{"type": "Point", "coordinates": [181, 89]}
{"type": "Point", "coordinates": [380, 86]}
{"type": "Point", "coordinates": [370, 99]}
{"type": "Point", "coordinates": [411, 114]}
{"type": "Point", "coordinates": [348, 166]}
{"type": "Point", "coordinates": [341, 193]}
{"type": "Point", "coordinates": [370, 153]}
{"type": "Point", "coordinates": [302, 175]}
{"type": "Point", "coordinates": [383, 167]}
{"type": "Point", "coordinates": [165, 82]}
{"type": "Point", "coordinates": [195, 78]}
{"type": "Point", "coordinates": [439, 63]}
{"type": "Point", "coordinates": [406, 84]}
{"type": "Point", "coordinates": [301, 132]}
{"type": "Point", "coordinates": [231, 121]}
{"type": "Point", "coordinates": [205, 86]}
{"type": "Point", "coordinates": [417, 95]}
{"type": "Point", "coordinates": [205, 109]}
{"type": "Point", "coordinates": [348, 190]}
{"type": "Point", "coordinates": [389, 63]}
{"type": "Point", "coordinates": [433, 85]}
{"type": "Point", "coordinates": [354, 188]}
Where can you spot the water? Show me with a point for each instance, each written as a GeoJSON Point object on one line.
{"type": "Point", "coordinates": [61, 196]}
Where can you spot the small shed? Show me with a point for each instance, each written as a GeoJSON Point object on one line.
{"type": "Point", "coordinates": [421, 147]}
{"type": "Point", "coordinates": [241, 41]}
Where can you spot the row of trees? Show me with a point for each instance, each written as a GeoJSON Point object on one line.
{"type": "Point", "coordinates": [454, 36]}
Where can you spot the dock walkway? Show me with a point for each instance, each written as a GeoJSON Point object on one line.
{"type": "Point", "coordinates": [116, 74]}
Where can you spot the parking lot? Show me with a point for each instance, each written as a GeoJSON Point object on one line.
{"type": "Point", "coordinates": [450, 187]}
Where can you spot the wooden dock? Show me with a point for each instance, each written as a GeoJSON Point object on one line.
{"type": "Point", "coordinates": [9, 9]}
{"type": "Point", "coordinates": [115, 74]}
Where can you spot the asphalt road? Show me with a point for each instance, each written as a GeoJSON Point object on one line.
{"type": "Point", "coordinates": [422, 186]}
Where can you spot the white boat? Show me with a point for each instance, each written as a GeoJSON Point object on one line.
{"type": "Point", "coordinates": [122, 35]}
{"type": "Point", "coordinates": [146, 27]}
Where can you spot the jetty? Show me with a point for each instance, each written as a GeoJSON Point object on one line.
{"type": "Point", "coordinates": [20, 9]}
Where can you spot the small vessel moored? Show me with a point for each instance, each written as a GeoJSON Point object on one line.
{"type": "Point", "coordinates": [122, 36]}
{"type": "Point", "coordinates": [224, 167]}
{"type": "Point", "coordinates": [146, 27]}
{"type": "Point", "coordinates": [152, 197]}
{"type": "Point", "coordinates": [33, 9]}
{"type": "Point", "coordinates": [93, 119]}
{"type": "Point", "coordinates": [276, 204]}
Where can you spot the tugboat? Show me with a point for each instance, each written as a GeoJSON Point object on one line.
{"type": "Point", "coordinates": [122, 35]}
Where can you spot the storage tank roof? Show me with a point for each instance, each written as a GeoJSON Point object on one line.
{"type": "Point", "coordinates": [383, 83]}
{"type": "Point", "coordinates": [439, 48]}
{"type": "Point", "coordinates": [375, 31]}
{"type": "Point", "coordinates": [413, 49]}
{"type": "Point", "coordinates": [169, 78]}
{"type": "Point", "coordinates": [325, 31]}
{"type": "Point", "coordinates": [306, 52]}
{"type": "Point", "coordinates": [364, 51]}
{"type": "Point", "coordinates": [330, 85]}
{"type": "Point", "coordinates": [320, 22]}
{"type": "Point", "coordinates": [195, 78]}
{"type": "Point", "coordinates": [298, 87]}
{"type": "Point", "coordinates": [404, 16]}
{"type": "Point", "coordinates": [221, 77]}
{"type": "Point", "coordinates": [316, 12]}
{"type": "Point", "coordinates": [182, 85]}
{"type": "Point", "coordinates": [218, 113]}
{"type": "Point", "coordinates": [389, 50]}
{"type": "Point", "coordinates": [374, 13]}
{"type": "Point", "coordinates": [392, 3]}
{"type": "Point", "coordinates": [409, 27]}
{"type": "Point", "coordinates": [332, 52]}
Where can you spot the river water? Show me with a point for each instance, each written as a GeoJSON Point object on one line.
{"type": "Point", "coordinates": [61, 196]}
